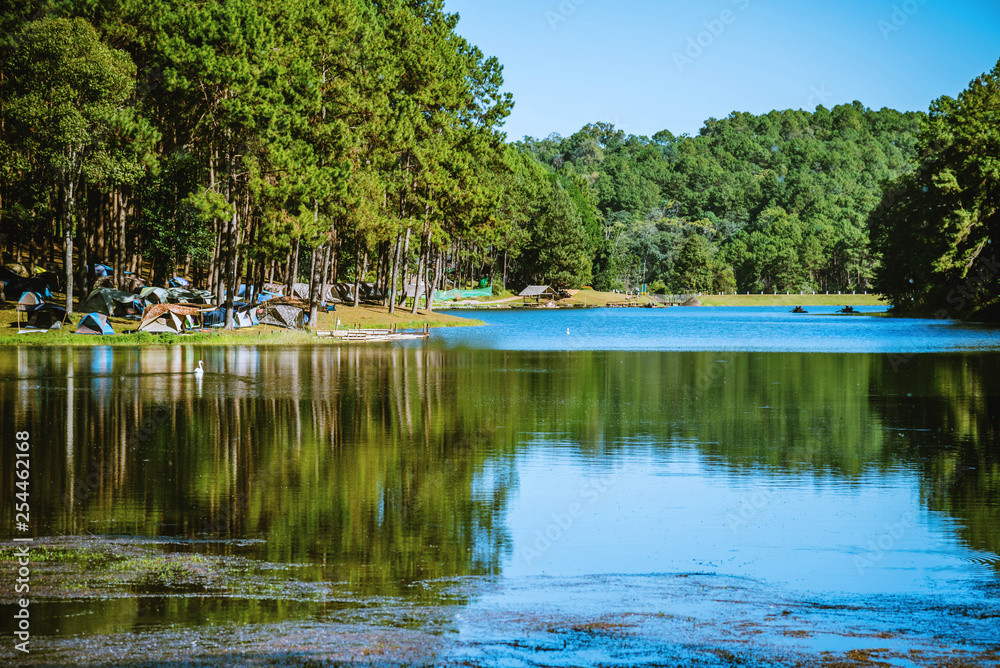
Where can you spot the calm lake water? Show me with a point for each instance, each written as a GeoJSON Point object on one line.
{"type": "Point", "coordinates": [816, 456]}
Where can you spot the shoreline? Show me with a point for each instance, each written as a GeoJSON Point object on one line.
{"type": "Point", "coordinates": [365, 317]}
{"type": "Point", "coordinates": [378, 317]}
{"type": "Point", "coordinates": [700, 618]}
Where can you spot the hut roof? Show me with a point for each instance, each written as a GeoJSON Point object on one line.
{"type": "Point", "coordinates": [538, 291]}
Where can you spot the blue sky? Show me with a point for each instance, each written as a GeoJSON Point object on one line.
{"type": "Point", "coordinates": [648, 66]}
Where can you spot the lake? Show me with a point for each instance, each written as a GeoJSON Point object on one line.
{"type": "Point", "coordinates": [581, 468]}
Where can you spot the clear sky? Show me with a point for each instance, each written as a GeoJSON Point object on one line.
{"type": "Point", "coordinates": [649, 65]}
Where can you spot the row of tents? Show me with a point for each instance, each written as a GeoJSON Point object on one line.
{"type": "Point", "coordinates": [174, 309]}
{"type": "Point", "coordinates": [124, 304]}
{"type": "Point", "coordinates": [160, 318]}
{"type": "Point", "coordinates": [42, 316]}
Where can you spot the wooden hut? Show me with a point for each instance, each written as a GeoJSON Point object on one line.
{"type": "Point", "coordinates": [538, 293]}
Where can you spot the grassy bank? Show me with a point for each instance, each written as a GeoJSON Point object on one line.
{"type": "Point", "coordinates": [365, 316]}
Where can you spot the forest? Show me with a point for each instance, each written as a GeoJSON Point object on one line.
{"type": "Point", "coordinates": [244, 143]}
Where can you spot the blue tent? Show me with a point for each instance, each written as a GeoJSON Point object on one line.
{"type": "Point", "coordinates": [95, 323]}
{"type": "Point", "coordinates": [215, 317]}
{"type": "Point", "coordinates": [261, 296]}
{"type": "Point", "coordinates": [244, 315]}
{"type": "Point", "coordinates": [178, 282]}
{"type": "Point", "coordinates": [102, 270]}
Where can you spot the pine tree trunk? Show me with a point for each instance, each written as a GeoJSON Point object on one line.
{"type": "Point", "coordinates": [438, 275]}
{"type": "Point", "coordinates": [293, 274]}
{"type": "Point", "coordinates": [230, 274]}
{"type": "Point", "coordinates": [425, 240]}
{"type": "Point", "coordinates": [84, 251]}
{"type": "Point", "coordinates": [391, 292]}
{"type": "Point", "coordinates": [406, 263]}
{"type": "Point", "coordinates": [313, 280]}
{"type": "Point", "coordinates": [67, 214]}
{"type": "Point", "coordinates": [357, 279]}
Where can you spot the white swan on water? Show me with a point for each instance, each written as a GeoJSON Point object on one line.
{"type": "Point", "coordinates": [199, 370]}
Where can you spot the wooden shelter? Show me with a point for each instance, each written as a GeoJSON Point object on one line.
{"type": "Point", "coordinates": [538, 293]}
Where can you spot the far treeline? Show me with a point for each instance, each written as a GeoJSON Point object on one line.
{"type": "Point", "coordinates": [361, 140]}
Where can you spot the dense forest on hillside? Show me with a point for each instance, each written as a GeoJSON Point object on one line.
{"type": "Point", "coordinates": [761, 203]}
{"type": "Point", "coordinates": [361, 140]}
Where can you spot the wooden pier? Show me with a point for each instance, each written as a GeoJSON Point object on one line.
{"type": "Point", "coordinates": [371, 335]}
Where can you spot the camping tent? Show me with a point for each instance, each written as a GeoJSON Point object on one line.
{"type": "Point", "coordinates": [243, 319]}
{"type": "Point", "coordinates": [261, 296]}
{"type": "Point", "coordinates": [346, 292]}
{"type": "Point", "coordinates": [331, 294]}
{"type": "Point", "coordinates": [45, 316]}
{"type": "Point", "coordinates": [166, 322]}
{"type": "Point", "coordinates": [178, 282]}
{"type": "Point", "coordinates": [28, 302]}
{"type": "Point", "coordinates": [102, 270]}
{"type": "Point", "coordinates": [244, 315]}
{"type": "Point", "coordinates": [112, 302]}
{"type": "Point", "coordinates": [168, 318]}
{"type": "Point", "coordinates": [153, 295]}
{"type": "Point", "coordinates": [94, 323]}
{"type": "Point", "coordinates": [283, 315]}
{"type": "Point", "coordinates": [189, 296]}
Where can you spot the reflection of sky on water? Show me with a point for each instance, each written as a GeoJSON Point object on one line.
{"type": "Point", "coordinates": [756, 328]}
{"type": "Point", "coordinates": [668, 510]}
{"type": "Point", "coordinates": [101, 369]}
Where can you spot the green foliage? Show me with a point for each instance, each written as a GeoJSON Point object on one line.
{"type": "Point", "coordinates": [934, 227]}
{"type": "Point", "coordinates": [823, 170]}
{"type": "Point", "coordinates": [559, 251]}
{"type": "Point", "coordinates": [693, 270]}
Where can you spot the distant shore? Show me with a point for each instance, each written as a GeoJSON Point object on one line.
{"type": "Point", "coordinates": [594, 298]}
{"type": "Point", "coordinates": [370, 316]}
